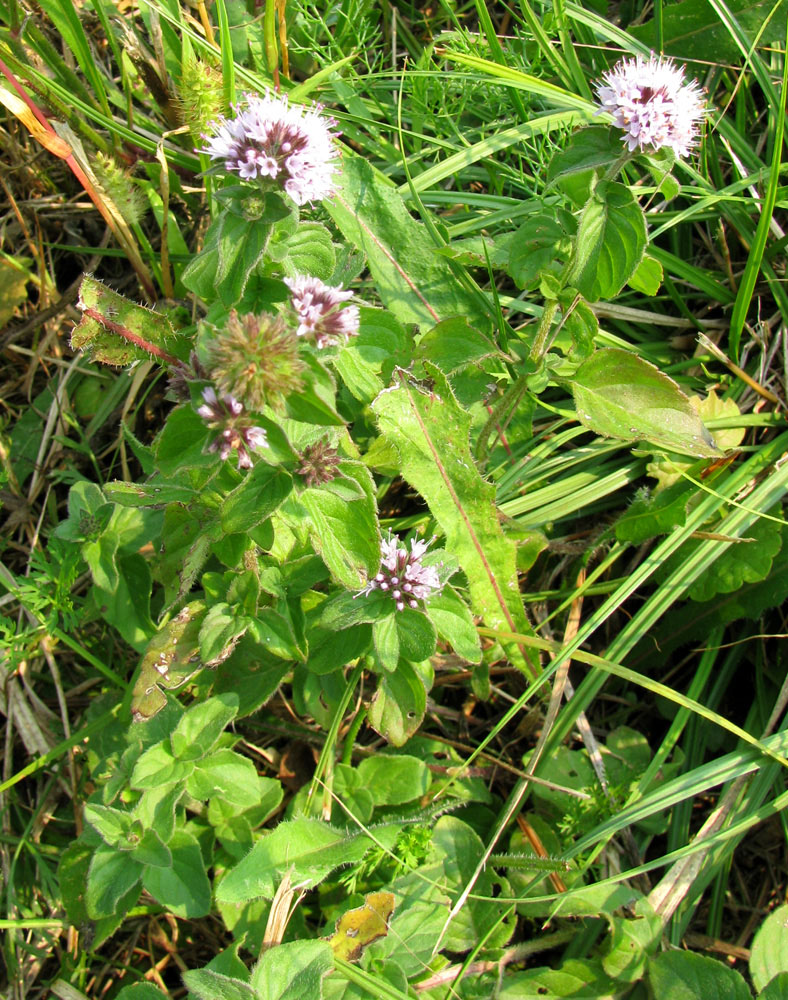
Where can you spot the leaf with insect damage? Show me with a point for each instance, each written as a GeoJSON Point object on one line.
{"type": "Point", "coordinates": [171, 659]}
{"type": "Point", "coordinates": [117, 331]}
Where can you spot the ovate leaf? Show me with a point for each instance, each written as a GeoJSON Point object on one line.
{"type": "Point", "coordinates": [684, 975]}
{"type": "Point", "coordinates": [769, 954]}
{"type": "Point", "coordinates": [611, 239]}
{"type": "Point", "coordinates": [618, 394]}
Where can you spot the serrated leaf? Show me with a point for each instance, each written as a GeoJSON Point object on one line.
{"type": "Point", "coordinates": [310, 251]}
{"type": "Point", "coordinates": [258, 496]}
{"type": "Point", "coordinates": [116, 331]}
{"type": "Point", "coordinates": [431, 433]}
{"type": "Point", "coordinates": [611, 239]}
{"type": "Point", "coordinates": [453, 344]}
{"type": "Point", "coordinates": [201, 726]}
{"type": "Point", "coordinates": [415, 284]}
{"type": "Point", "coordinates": [454, 623]}
{"type": "Point", "coordinates": [112, 876]}
{"type": "Point", "coordinates": [385, 641]}
{"type": "Point", "coordinates": [183, 887]}
{"type": "Point", "coordinates": [346, 535]}
{"type": "Point", "coordinates": [394, 779]}
{"type": "Point", "coordinates": [221, 629]}
{"type": "Point", "coordinates": [589, 149]}
{"type": "Point", "coordinates": [534, 248]}
{"type": "Point", "coordinates": [209, 985]}
{"type": "Point", "coordinates": [747, 562]}
{"type": "Point", "coordinates": [292, 971]}
{"type": "Point", "coordinates": [618, 394]}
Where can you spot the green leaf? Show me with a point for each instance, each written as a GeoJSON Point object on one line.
{"type": "Point", "coordinates": [747, 562]}
{"type": "Point", "coordinates": [399, 704]}
{"type": "Point", "coordinates": [346, 535]}
{"type": "Point", "coordinates": [233, 248]}
{"type": "Point", "coordinates": [417, 635]}
{"type": "Point", "coordinates": [151, 850]}
{"type": "Point", "coordinates": [292, 971]}
{"type": "Point", "coordinates": [589, 151]}
{"type": "Point", "coordinates": [172, 657]}
{"type": "Point", "coordinates": [274, 633]}
{"type": "Point", "coordinates": [330, 650]}
{"type": "Point", "coordinates": [158, 768]}
{"type": "Point", "coordinates": [431, 433]}
{"type": "Point", "coordinates": [534, 247]}
{"type": "Point", "coordinates": [453, 344]}
{"type": "Point", "coordinates": [310, 251]}
{"type": "Point", "coordinates": [140, 991]}
{"type": "Point", "coordinates": [219, 632]}
{"type": "Point", "coordinates": [618, 394]}
{"type": "Point", "coordinates": [385, 639]}
{"type": "Point", "coordinates": [414, 282]}
{"type": "Point", "coordinates": [151, 494]}
{"type": "Point", "coordinates": [631, 941]}
{"type": "Point", "coordinates": [182, 441]}
{"type": "Point", "coordinates": [578, 979]}
{"type": "Point", "coordinates": [14, 277]}
{"type": "Point", "coordinates": [201, 726]}
{"type": "Point", "coordinates": [72, 876]}
{"type": "Point", "coordinates": [459, 848]}
{"type": "Point", "coordinates": [580, 322]}
{"type": "Point", "coordinates": [684, 975]}
{"type": "Point", "coordinates": [394, 779]}
{"type": "Point", "coordinates": [117, 331]}
{"type": "Point", "coordinates": [112, 875]}
{"type": "Point", "coordinates": [261, 492]}
{"type": "Point", "coordinates": [651, 516]}
{"type": "Point", "coordinates": [769, 950]}
{"type": "Point", "coordinates": [381, 343]}
{"type": "Point", "coordinates": [128, 606]}
{"type": "Point", "coordinates": [227, 775]}
{"type": "Point", "coordinates": [647, 277]}
{"type": "Point", "coordinates": [775, 989]}
{"type": "Point", "coordinates": [113, 825]}
{"type": "Point", "coordinates": [692, 29]}
{"type": "Point", "coordinates": [184, 887]}
{"type": "Point", "coordinates": [611, 239]}
{"type": "Point", "coordinates": [309, 849]}
{"type": "Point", "coordinates": [454, 623]}
{"type": "Point", "coordinates": [209, 985]}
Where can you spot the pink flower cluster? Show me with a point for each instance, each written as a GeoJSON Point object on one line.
{"type": "Point", "coordinates": [649, 100]}
{"type": "Point", "coordinates": [271, 139]}
{"type": "Point", "coordinates": [402, 574]}
{"type": "Point", "coordinates": [321, 315]}
{"type": "Point", "coordinates": [236, 433]}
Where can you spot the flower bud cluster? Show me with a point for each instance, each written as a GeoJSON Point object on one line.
{"type": "Point", "coordinates": [236, 431]}
{"type": "Point", "coordinates": [403, 575]}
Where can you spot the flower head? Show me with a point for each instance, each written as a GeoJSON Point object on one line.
{"type": "Point", "coordinates": [320, 311]}
{"type": "Point", "coordinates": [289, 145]}
{"type": "Point", "coordinates": [649, 100]}
{"type": "Point", "coordinates": [256, 358]}
{"type": "Point", "coordinates": [402, 574]}
{"type": "Point", "coordinates": [319, 463]}
{"type": "Point", "coordinates": [236, 432]}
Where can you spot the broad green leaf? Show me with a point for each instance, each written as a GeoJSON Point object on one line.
{"type": "Point", "coordinates": [692, 29]}
{"type": "Point", "coordinates": [209, 985]}
{"type": "Point", "coordinates": [72, 876]}
{"type": "Point", "coordinates": [358, 928]}
{"type": "Point", "coordinates": [158, 768]}
{"type": "Point", "coordinates": [183, 888]}
{"type": "Point", "coordinates": [534, 248]}
{"type": "Point", "coordinates": [746, 562]}
{"type": "Point", "coordinates": [309, 849]}
{"type": "Point", "coordinates": [274, 632]}
{"type": "Point", "coordinates": [453, 344]}
{"type": "Point", "coordinates": [684, 975]}
{"type": "Point", "coordinates": [128, 606]}
{"type": "Point", "coordinates": [219, 632]}
{"type": "Point", "coordinates": [458, 849]}
{"type": "Point", "coordinates": [775, 989]}
{"type": "Point", "coordinates": [417, 636]}
{"type": "Point", "coordinates": [580, 322]}
{"type": "Point", "coordinates": [647, 516]}
{"type": "Point", "coordinates": [114, 825]}
{"type": "Point", "coordinates": [182, 442]}
{"type": "Point", "coordinates": [414, 282]}
{"type": "Point", "coordinates": [13, 286]}
{"type": "Point", "coordinates": [292, 971]}
{"type": "Point", "coordinates": [112, 875]}
{"type": "Point", "coordinates": [631, 941]}
{"type": "Point", "coordinates": [611, 239]}
{"type": "Point", "coordinates": [228, 776]}
{"type": "Point", "coordinates": [172, 657]}
{"type": "Point", "coordinates": [149, 494]}
{"type": "Point", "coordinates": [618, 394]}
{"type": "Point", "coordinates": [385, 641]}
{"type": "Point", "coordinates": [399, 704]}
{"type": "Point", "coordinates": [580, 979]}
{"type": "Point", "coordinates": [152, 851]}
{"type": "Point", "coordinates": [233, 248]}
{"type": "Point", "coordinates": [117, 331]}
{"type": "Point", "coordinates": [346, 535]}
{"type": "Point", "coordinates": [262, 491]}
{"type": "Point", "coordinates": [368, 359]}
{"type": "Point", "coordinates": [310, 251]}
{"type": "Point", "coordinates": [647, 277]}
{"type": "Point", "coordinates": [201, 726]}
{"type": "Point", "coordinates": [140, 991]}
{"type": "Point", "coordinates": [431, 433]}
{"type": "Point", "coordinates": [454, 623]}
{"type": "Point", "coordinates": [394, 779]}
{"type": "Point", "coordinates": [769, 950]}
{"type": "Point", "coordinates": [330, 649]}
{"type": "Point", "coordinates": [588, 151]}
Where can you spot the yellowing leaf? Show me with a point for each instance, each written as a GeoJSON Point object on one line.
{"type": "Point", "coordinates": [360, 927]}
